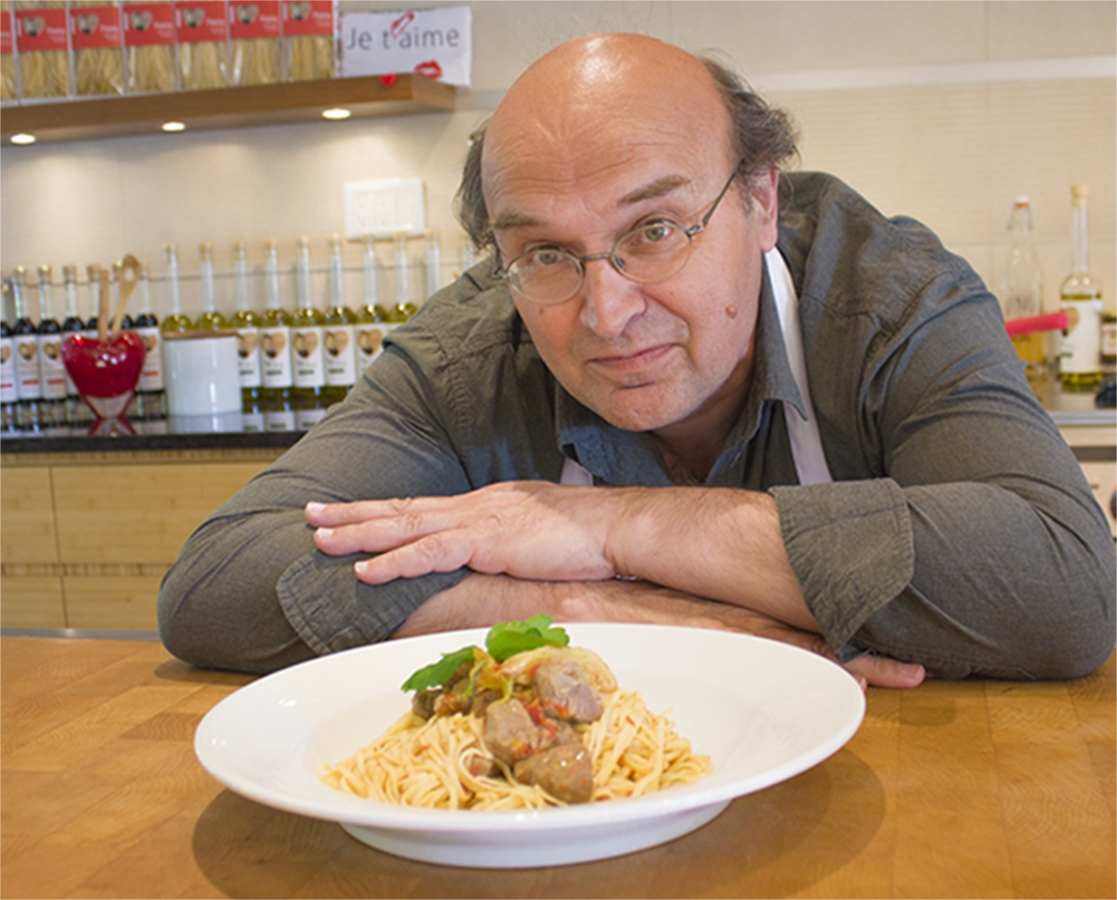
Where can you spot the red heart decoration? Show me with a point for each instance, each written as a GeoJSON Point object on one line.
{"type": "Point", "coordinates": [387, 80]}
{"type": "Point", "coordinates": [105, 370]}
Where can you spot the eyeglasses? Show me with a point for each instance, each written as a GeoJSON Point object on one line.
{"type": "Point", "coordinates": [651, 252]}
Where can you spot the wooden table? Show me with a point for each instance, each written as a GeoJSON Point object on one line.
{"type": "Point", "coordinates": [963, 789]}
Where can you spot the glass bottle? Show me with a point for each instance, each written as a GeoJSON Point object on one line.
{"type": "Point", "coordinates": [275, 349]}
{"type": "Point", "coordinates": [210, 319]}
{"type": "Point", "coordinates": [93, 287]}
{"type": "Point", "coordinates": [25, 344]}
{"type": "Point", "coordinates": [76, 410]}
{"type": "Point", "coordinates": [1022, 289]}
{"type": "Point", "coordinates": [339, 337]}
{"type": "Point", "coordinates": [177, 321]}
{"type": "Point", "coordinates": [306, 345]}
{"type": "Point", "coordinates": [246, 324]}
{"type": "Point", "coordinates": [52, 372]}
{"type": "Point", "coordinates": [1080, 297]}
{"type": "Point", "coordinates": [372, 319]}
{"type": "Point", "coordinates": [9, 390]}
{"type": "Point", "coordinates": [404, 308]}
{"type": "Point", "coordinates": [151, 389]}
{"type": "Point", "coordinates": [434, 263]}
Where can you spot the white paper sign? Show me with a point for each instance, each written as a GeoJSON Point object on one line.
{"type": "Point", "coordinates": [436, 43]}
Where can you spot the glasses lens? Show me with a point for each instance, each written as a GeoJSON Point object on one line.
{"type": "Point", "coordinates": [547, 275]}
{"type": "Point", "coordinates": [653, 252]}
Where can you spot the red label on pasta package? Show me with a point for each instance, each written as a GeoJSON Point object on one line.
{"type": "Point", "coordinates": [149, 23]}
{"type": "Point", "coordinates": [258, 19]}
{"type": "Point", "coordinates": [94, 27]}
{"type": "Point", "coordinates": [301, 17]}
{"type": "Point", "coordinates": [197, 21]}
{"type": "Point", "coordinates": [40, 29]}
{"type": "Point", "coordinates": [6, 32]}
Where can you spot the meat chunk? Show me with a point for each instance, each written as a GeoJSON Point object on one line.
{"type": "Point", "coordinates": [565, 772]}
{"type": "Point", "coordinates": [510, 734]}
{"type": "Point", "coordinates": [565, 690]}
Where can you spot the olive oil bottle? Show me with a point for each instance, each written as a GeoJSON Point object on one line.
{"type": "Point", "coordinates": [1080, 367]}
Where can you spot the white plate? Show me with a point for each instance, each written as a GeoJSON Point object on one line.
{"type": "Point", "coordinates": [762, 710]}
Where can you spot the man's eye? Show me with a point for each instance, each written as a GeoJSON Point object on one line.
{"type": "Point", "coordinates": [546, 256]}
{"type": "Point", "coordinates": [654, 232]}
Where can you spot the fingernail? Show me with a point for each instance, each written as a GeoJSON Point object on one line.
{"type": "Point", "coordinates": [361, 567]}
{"type": "Point", "coordinates": [325, 533]}
{"type": "Point", "coordinates": [315, 507]}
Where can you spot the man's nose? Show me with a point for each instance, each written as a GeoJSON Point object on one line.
{"type": "Point", "coordinates": [609, 300]}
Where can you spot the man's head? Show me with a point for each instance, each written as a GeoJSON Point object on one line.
{"type": "Point", "coordinates": [607, 134]}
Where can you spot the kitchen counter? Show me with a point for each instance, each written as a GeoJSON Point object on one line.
{"type": "Point", "coordinates": [953, 789]}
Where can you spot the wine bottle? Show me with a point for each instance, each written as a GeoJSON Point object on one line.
{"type": "Point", "coordinates": [210, 319]}
{"type": "Point", "coordinates": [177, 321]}
{"type": "Point", "coordinates": [339, 336]}
{"type": "Point", "coordinates": [307, 357]}
{"type": "Point", "coordinates": [25, 343]}
{"type": "Point", "coordinates": [76, 411]}
{"type": "Point", "coordinates": [372, 319]}
{"type": "Point", "coordinates": [9, 390]}
{"type": "Point", "coordinates": [404, 308]}
{"type": "Point", "coordinates": [275, 349]}
{"type": "Point", "coordinates": [151, 389]}
{"type": "Point", "coordinates": [246, 323]}
{"type": "Point", "coordinates": [93, 290]}
{"type": "Point", "coordinates": [1080, 297]}
{"type": "Point", "coordinates": [52, 371]}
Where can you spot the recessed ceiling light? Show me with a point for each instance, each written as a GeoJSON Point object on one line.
{"type": "Point", "coordinates": [336, 114]}
{"type": "Point", "coordinates": [23, 138]}
{"type": "Point", "coordinates": [174, 126]}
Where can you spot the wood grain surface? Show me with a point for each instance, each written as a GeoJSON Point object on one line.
{"type": "Point", "coordinates": [955, 789]}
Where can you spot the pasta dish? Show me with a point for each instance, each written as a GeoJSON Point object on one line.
{"type": "Point", "coordinates": [527, 722]}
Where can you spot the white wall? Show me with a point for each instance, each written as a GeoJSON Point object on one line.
{"type": "Point", "coordinates": [940, 110]}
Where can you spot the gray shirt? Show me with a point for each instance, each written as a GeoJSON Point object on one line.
{"type": "Point", "coordinates": [959, 531]}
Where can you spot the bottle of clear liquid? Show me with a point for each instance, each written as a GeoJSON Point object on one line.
{"type": "Point", "coordinates": [340, 334]}
{"type": "Point", "coordinates": [25, 342]}
{"type": "Point", "coordinates": [151, 389]}
{"type": "Point", "coordinates": [76, 411]}
{"type": "Point", "coordinates": [1022, 289]}
{"type": "Point", "coordinates": [246, 323]}
{"type": "Point", "coordinates": [52, 372]}
{"type": "Point", "coordinates": [306, 345]}
{"type": "Point", "coordinates": [9, 389]}
{"type": "Point", "coordinates": [210, 319]}
{"type": "Point", "coordinates": [434, 262]}
{"type": "Point", "coordinates": [177, 321]}
{"type": "Point", "coordinates": [372, 318]}
{"type": "Point", "coordinates": [275, 349]}
{"type": "Point", "coordinates": [404, 308]}
{"type": "Point", "coordinates": [1080, 297]}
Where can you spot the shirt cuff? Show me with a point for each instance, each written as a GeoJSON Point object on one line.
{"type": "Point", "coordinates": [850, 545]}
{"type": "Point", "coordinates": [331, 610]}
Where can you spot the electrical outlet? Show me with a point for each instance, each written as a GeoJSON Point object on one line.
{"type": "Point", "coordinates": [383, 206]}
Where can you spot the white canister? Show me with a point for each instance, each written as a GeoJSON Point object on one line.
{"type": "Point", "coordinates": [201, 373]}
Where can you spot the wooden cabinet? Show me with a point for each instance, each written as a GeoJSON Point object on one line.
{"type": "Point", "coordinates": [86, 538]}
{"type": "Point", "coordinates": [1095, 447]}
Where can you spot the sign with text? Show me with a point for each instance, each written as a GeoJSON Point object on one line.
{"type": "Point", "coordinates": [436, 43]}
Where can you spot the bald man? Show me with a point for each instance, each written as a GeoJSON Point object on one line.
{"type": "Point", "coordinates": [685, 387]}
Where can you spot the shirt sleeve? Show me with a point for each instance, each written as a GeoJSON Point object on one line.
{"type": "Point", "coordinates": [976, 547]}
{"type": "Point", "coordinates": [250, 591]}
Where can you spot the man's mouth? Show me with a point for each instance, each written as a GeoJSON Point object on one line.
{"type": "Point", "coordinates": [627, 366]}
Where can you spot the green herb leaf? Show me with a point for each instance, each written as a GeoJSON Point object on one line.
{"type": "Point", "coordinates": [436, 674]}
{"type": "Point", "coordinates": [509, 638]}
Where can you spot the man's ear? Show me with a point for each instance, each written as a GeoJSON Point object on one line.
{"type": "Point", "coordinates": [766, 206]}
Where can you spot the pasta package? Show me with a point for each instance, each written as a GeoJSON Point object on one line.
{"type": "Point", "coordinates": [7, 54]}
{"type": "Point", "coordinates": [149, 43]}
{"type": "Point", "coordinates": [202, 34]}
{"type": "Point", "coordinates": [254, 30]}
{"type": "Point", "coordinates": [308, 39]}
{"type": "Point", "coordinates": [96, 37]}
{"type": "Point", "coordinates": [44, 49]}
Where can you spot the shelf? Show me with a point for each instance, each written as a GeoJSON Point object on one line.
{"type": "Point", "coordinates": [235, 107]}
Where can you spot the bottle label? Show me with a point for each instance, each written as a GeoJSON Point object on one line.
{"type": "Point", "coordinates": [1080, 348]}
{"type": "Point", "coordinates": [248, 357]}
{"type": "Point", "coordinates": [341, 357]}
{"type": "Point", "coordinates": [52, 373]}
{"type": "Point", "coordinates": [275, 356]}
{"type": "Point", "coordinates": [307, 358]}
{"type": "Point", "coordinates": [254, 421]}
{"type": "Point", "coordinates": [305, 419]}
{"type": "Point", "coordinates": [1109, 339]}
{"type": "Point", "coordinates": [9, 392]}
{"type": "Point", "coordinates": [27, 366]}
{"type": "Point", "coordinates": [280, 420]}
{"type": "Point", "coordinates": [151, 376]}
{"type": "Point", "coordinates": [370, 341]}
